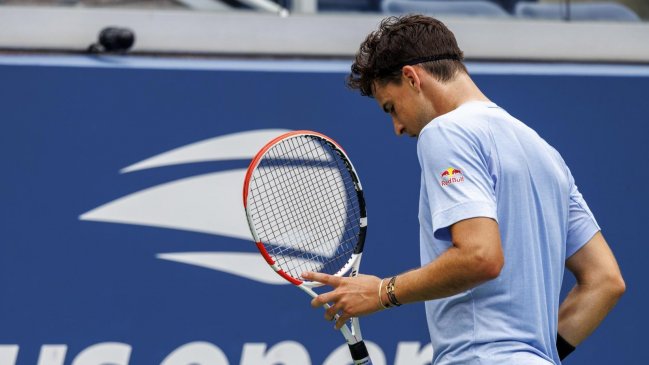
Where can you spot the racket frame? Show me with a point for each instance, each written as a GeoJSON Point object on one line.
{"type": "Point", "coordinates": [353, 336]}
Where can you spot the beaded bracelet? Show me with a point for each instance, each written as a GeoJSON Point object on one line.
{"type": "Point", "coordinates": [390, 290]}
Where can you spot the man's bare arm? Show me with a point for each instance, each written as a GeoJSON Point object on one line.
{"type": "Point", "coordinates": [476, 256]}
{"type": "Point", "coordinates": [599, 286]}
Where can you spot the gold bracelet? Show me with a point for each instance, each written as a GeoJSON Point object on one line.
{"type": "Point", "coordinates": [380, 301]}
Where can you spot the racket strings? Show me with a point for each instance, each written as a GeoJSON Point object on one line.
{"type": "Point", "coordinates": [301, 185]}
{"type": "Point", "coordinates": [304, 205]}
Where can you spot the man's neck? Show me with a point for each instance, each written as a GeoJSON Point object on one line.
{"type": "Point", "coordinates": [457, 92]}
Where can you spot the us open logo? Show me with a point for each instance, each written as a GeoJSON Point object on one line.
{"type": "Point", "coordinates": [208, 203]}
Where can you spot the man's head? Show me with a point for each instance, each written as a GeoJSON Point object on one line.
{"type": "Point", "coordinates": [401, 41]}
{"type": "Point", "coordinates": [394, 60]}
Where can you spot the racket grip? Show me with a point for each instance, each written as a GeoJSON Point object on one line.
{"type": "Point", "coordinates": [360, 354]}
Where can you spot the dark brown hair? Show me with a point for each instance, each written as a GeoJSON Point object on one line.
{"type": "Point", "coordinates": [401, 41]}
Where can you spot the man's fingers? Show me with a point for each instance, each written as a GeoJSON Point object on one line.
{"type": "Point", "coordinates": [342, 320]}
{"type": "Point", "coordinates": [322, 299]}
{"type": "Point", "coordinates": [337, 296]}
{"type": "Point", "coordinates": [322, 278]}
{"type": "Point", "coordinates": [330, 313]}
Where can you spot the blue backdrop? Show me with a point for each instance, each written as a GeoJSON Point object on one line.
{"type": "Point", "coordinates": [83, 283]}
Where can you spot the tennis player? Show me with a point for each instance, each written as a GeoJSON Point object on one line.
{"type": "Point", "coordinates": [500, 215]}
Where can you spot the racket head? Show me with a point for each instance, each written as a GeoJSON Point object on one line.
{"type": "Point", "coordinates": [305, 206]}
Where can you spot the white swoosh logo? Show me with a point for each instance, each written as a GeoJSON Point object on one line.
{"type": "Point", "coordinates": [209, 203]}
{"type": "Point", "coordinates": [236, 146]}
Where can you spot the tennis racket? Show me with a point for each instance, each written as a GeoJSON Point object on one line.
{"type": "Point", "coordinates": [306, 212]}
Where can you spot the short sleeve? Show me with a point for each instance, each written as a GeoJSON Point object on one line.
{"type": "Point", "coordinates": [458, 182]}
{"type": "Point", "coordinates": [582, 225]}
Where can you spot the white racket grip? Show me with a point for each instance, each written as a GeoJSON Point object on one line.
{"type": "Point", "coordinates": [344, 330]}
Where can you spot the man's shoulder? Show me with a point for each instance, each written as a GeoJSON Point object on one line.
{"type": "Point", "coordinates": [469, 117]}
{"type": "Point", "coordinates": [472, 125]}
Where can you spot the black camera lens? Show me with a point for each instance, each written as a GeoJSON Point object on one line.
{"type": "Point", "coordinates": [114, 39]}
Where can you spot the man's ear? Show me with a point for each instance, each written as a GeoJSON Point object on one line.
{"type": "Point", "coordinates": [411, 76]}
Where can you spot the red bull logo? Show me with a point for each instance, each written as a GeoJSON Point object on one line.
{"type": "Point", "coordinates": [452, 176]}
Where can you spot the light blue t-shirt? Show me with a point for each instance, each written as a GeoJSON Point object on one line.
{"type": "Point", "coordinates": [478, 161]}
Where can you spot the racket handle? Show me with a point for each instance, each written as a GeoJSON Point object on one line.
{"type": "Point", "coordinates": [360, 354]}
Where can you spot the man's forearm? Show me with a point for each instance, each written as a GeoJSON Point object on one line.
{"type": "Point", "coordinates": [476, 256]}
{"type": "Point", "coordinates": [584, 309]}
{"type": "Point", "coordinates": [452, 273]}
{"type": "Point", "coordinates": [599, 286]}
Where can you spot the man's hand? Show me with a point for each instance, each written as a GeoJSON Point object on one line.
{"type": "Point", "coordinates": [351, 297]}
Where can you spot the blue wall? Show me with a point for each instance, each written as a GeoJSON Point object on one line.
{"type": "Point", "coordinates": [68, 125]}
